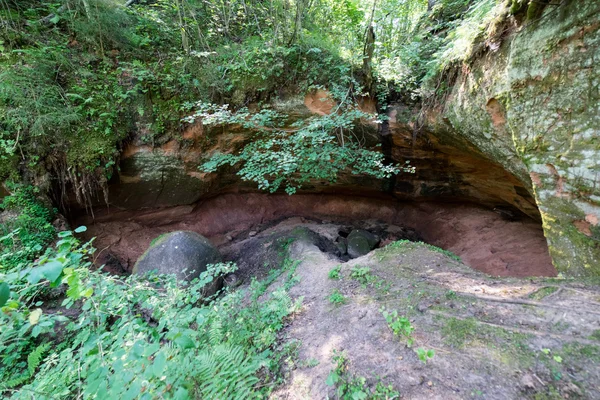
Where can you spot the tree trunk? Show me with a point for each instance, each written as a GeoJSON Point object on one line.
{"type": "Point", "coordinates": [368, 58]}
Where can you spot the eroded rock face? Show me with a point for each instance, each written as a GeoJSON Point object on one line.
{"type": "Point", "coordinates": [534, 108]}
{"type": "Point", "coordinates": [518, 131]}
{"type": "Point", "coordinates": [182, 253]}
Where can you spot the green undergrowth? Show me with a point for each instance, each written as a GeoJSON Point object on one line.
{"type": "Point", "coordinates": [26, 227]}
{"type": "Point", "coordinates": [77, 78]}
{"type": "Point", "coordinates": [71, 332]}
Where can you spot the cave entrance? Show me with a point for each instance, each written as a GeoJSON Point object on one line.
{"type": "Point", "coordinates": [483, 239]}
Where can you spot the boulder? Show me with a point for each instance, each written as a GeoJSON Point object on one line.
{"type": "Point", "coordinates": [361, 242]}
{"type": "Point", "coordinates": [182, 253]}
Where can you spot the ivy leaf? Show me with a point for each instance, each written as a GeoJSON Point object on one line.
{"type": "Point", "coordinates": [4, 293]}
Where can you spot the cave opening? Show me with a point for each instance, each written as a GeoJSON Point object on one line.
{"type": "Point", "coordinates": [486, 240]}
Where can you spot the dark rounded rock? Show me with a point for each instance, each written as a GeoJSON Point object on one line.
{"type": "Point", "coordinates": [182, 253]}
{"type": "Point", "coordinates": [342, 246]}
{"type": "Point", "coordinates": [361, 242]}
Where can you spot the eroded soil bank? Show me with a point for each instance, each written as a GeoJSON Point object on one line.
{"type": "Point", "coordinates": [492, 338]}
{"type": "Point", "coordinates": [482, 238]}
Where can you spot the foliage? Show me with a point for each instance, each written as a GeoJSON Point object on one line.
{"type": "Point", "coordinates": [400, 326]}
{"type": "Point", "coordinates": [362, 274]}
{"type": "Point", "coordinates": [26, 227]}
{"type": "Point", "coordinates": [351, 387]}
{"type": "Point", "coordinates": [123, 338]}
{"type": "Point", "coordinates": [424, 354]}
{"type": "Point", "coordinates": [334, 273]}
{"type": "Point", "coordinates": [294, 156]}
{"type": "Point", "coordinates": [337, 298]}
{"type": "Point", "coordinates": [76, 80]}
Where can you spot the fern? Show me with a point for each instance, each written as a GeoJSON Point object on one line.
{"type": "Point", "coordinates": [18, 381]}
{"type": "Point", "coordinates": [226, 372]}
{"type": "Point", "coordinates": [35, 358]}
{"type": "Point", "coordinates": [215, 334]}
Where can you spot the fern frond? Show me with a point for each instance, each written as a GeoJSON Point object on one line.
{"type": "Point", "coordinates": [226, 372]}
{"type": "Point", "coordinates": [17, 381]}
{"type": "Point", "coordinates": [35, 358]}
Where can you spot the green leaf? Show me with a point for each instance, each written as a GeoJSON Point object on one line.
{"type": "Point", "coordinates": [158, 367]}
{"type": "Point", "coordinates": [184, 342]}
{"type": "Point", "coordinates": [51, 270]}
{"type": "Point", "coordinates": [332, 379]}
{"type": "Point", "coordinates": [81, 229]}
{"type": "Point", "coordinates": [4, 293]}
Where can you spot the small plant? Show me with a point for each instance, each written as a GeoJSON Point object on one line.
{"type": "Point", "coordinates": [337, 298]}
{"type": "Point", "coordinates": [401, 326]}
{"type": "Point", "coordinates": [361, 274]}
{"type": "Point", "coordinates": [351, 387]}
{"type": "Point", "coordinates": [384, 392]}
{"type": "Point", "coordinates": [425, 355]}
{"type": "Point", "coordinates": [335, 273]}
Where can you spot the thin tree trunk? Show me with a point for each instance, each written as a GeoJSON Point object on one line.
{"type": "Point", "coordinates": [300, 6]}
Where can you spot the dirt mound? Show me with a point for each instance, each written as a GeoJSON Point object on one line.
{"type": "Point", "coordinates": [492, 338]}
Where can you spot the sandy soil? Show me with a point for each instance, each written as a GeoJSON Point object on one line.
{"type": "Point", "coordinates": [494, 338]}
{"type": "Point", "coordinates": [482, 238]}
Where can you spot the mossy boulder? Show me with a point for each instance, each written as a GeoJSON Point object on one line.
{"type": "Point", "coordinates": [361, 242]}
{"type": "Point", "coordinates": [182, 253]}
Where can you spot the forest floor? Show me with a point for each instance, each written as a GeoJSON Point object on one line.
{"type": "Point", "coordinates": [493, 338]}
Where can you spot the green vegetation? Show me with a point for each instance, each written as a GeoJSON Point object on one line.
{"type": "Point", "coordinates": [112, 337]}
{"type": "Point", "coordinates": [335, 273]}
{"type": "Point", "coordinates": [425, 355]}
{"type": "Point", "coordinates": [294, 154]}
{"type": "Point", "coordinates": [457, 332]}
{"type": "Point", "coordinates": [26, 227]}
{"type": "Point", "coordinates": [351, 387]}
{"type": "Point", "coordinates": [337, 298]}
{"type": "Point", "coordinates": [543, 292]}
{"type": "Point", "coordinates": [362, 274]}
{"type": "Point", "coordinates": [399, 244]}
{"type": "Point", "coordinates": [79, 77]}
{"type": "Point", "coordinates": [400, 326]}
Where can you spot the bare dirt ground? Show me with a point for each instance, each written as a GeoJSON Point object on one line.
{"type": "Point", "coordinates": [493, 338]}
